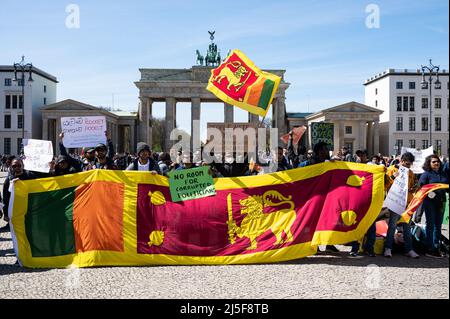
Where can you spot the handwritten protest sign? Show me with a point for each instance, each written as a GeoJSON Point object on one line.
{"type": "Point", "coordinates": [190, 184]}
{"type": "Point", "coordinates": [323, 132]}
{"type": "Point", "coordinates": [83, 131]}
{"type": "Point", "coordinates": [398, 193]}
{"type": "Point", "coordinates": [38, 155]}
{"type": "Point", "coordinates": [297, 133]}
{"type": "Point", "coordinates": [419, 157]}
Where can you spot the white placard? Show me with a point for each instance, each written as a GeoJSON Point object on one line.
{"type": "Point", "coordinates": [397, 196]}
{"type": "Point", "coordinates": [83, 131]}
{"type": "Point", "coordinates": [38, 155]}
{"type": "Point", "coordinates": [419, 158]}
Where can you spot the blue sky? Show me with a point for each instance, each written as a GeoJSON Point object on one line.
{"type": "Point", "coordinates": [324, 46]}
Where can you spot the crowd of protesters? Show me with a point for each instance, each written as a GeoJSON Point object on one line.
{"type": "Point", "coordinates": [103, 156]}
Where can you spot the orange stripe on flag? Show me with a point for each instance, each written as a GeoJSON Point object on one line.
{"type": "Point", "coordinates": [98, 216]}
{"type": "Point", "coordinates": [255, 92]}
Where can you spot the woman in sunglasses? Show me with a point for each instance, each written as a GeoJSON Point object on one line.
{"type": "Point", "coordinates": [434, 203]}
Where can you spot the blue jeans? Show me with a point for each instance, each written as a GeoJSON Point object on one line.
{"type": "Point", "coordinates": [393, 219]}
{"type": "Point", "coordinates": [370, 240]}
{"type": "Point", "coordinates": [434, 213]}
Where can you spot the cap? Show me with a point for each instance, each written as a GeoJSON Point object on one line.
{"type": "Point", "coordinates": [100, 145]}
{"type": "Point", "coordinates": [88, 149]}
{"type": "Point", "coordinates": [61, 158]}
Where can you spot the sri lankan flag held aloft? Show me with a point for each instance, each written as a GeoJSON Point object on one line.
{"type": "Point", "coordinates": [237, 81]}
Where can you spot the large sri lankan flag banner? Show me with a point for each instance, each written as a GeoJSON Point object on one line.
{"type": "Point", "coordinates": [119, 218]}
{"type": "Point", "coordinates": [237, 81]}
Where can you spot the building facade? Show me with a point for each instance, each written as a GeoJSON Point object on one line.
{"type": "Point", "coordinates": [355, 125]}
{"type": "Point", "coordinates": [406, 118]}
{"type": "Point", "coordinates": [189, 85]}
{"type": "Point", "coordinates": [122, 126]}
{"type": "Point", "coordinates": [21, 114]}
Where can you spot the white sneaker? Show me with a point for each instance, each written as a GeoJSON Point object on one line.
{"type": "Point", "coordinates": [388, 253]}
{"type": "Point", "coordinates": [412, 254]}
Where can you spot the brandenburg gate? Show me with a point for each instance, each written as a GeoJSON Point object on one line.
{"type": "Point", "coordinates": [189, 85]}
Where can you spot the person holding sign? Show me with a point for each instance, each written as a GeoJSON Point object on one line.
{"type": "Point", "coordinates": [89, 160]}
{"type": "Point", "coordinates": [434, 203]}
{"type": "Point", "coordinates": [144, 162]}
{"type": "Point", "coordinates": [406, 161]}
{"type": "Point", "coordinates": [102, 160]}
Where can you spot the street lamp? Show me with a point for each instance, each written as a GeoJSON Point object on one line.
{"type": "Point", "coordinates": [424, 84]}
{"type": "Point", "coordinates": [23, 68]}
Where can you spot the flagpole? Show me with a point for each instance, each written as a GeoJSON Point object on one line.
{"type": "Point", "coordinates": [262, 121]}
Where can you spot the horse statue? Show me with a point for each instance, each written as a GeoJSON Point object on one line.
{"type": "Point", "coordinates": [199, 57]}
{"type": "Point", "coordinates": [210, 59]}
{"type": "Point", "coordinates": [218, 59]}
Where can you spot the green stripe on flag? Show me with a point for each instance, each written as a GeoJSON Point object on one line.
{"type": "Point", "coordinates": [49, 223]}
{"type": "Point", "coordinates": [266, 93]}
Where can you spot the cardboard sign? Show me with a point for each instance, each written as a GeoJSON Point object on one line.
{"type": "Point", "coordinates": [397, 196]}
{"type": "Point", "coordinates": [297, 133]}
{"type": "Point", "coordinates": [419, 157]}
{"type": "Point", "coordinates": [83, 131]}
{"type": "Point", "coordinates": [191, 184]}
{"type": "Point", "coordinates": [38, 155]}
{"type": "Point", "coordinates": [323, 132]}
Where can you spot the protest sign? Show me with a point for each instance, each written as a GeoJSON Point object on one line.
{"type": "Point", "coordinates": [297, 133]}
{"type": "Point", "coordinates": [83, 131]}
{"type": "Point", "coordinates": [38, 155]}
{"type": "Point", "coordinates": [419, 157]}
{"type": "Point", "coordinates": [322, 132]}
{"type": "Point", "coordinates": [191, 184]}
{"type": "Point", "coordinates": [398, 193]}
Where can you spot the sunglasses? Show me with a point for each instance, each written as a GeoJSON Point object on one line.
{"type": "Point", "coordinates": [434, 162]}
{"type": "Point", "coordinates": [16, 166]}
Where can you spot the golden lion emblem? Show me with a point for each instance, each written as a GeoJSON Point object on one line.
{"type": "Point", "coordinates": [256, 222]}
{"type": "Point", "coordinates": [233, 78]}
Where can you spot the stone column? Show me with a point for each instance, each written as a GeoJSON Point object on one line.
{"type": "Point", "coordinates": [195, 116]}
{"type": "Point", "coordinates": [143, 122]}
{"type": "Point", "coordinates": [341, 130]}
{"type": "Point", "coordinates": [253, 118]}
{"type": "Point", "coordinates": [149, 123]}
{"type": "Point", "coordinates": [362, 135]}
{"type": "Point", "coordinates": [57, 132]}
{"type": "Point", "coordinates": [376, 137]}
{"type": "Point", "coordinates": [132, 139]}
{"type": "Point", "coordinates": [274, 113]}
{"type": "Point", "coordinates": [171, 115]}
{"type": "Point", "coordinates": [370, 138]}
{"type": "Point", "coordinates": [228, 113]}
{"type": "Point", "coordinates": [282, 129]}
{"type": "Point", "coordinates": [44, 128]}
